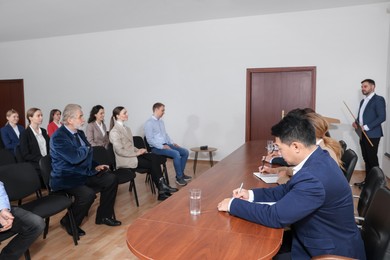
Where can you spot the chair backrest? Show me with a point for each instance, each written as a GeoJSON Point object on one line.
{"type": "Point", "coordinates": [20, 180]}
{"type": "Point", "coordinates": [374, 181]}
{"type": "Point", "coordinates": [18, 154]}
{"type": "Point", "coordinates": [148, 148]}
{"type": "Point", "coordinates": [349, 160]}
{"type": "Point", "coordinates": [101, 156]}
{"type": "Point", "coordinates": [376, 226]}
{"type": "Point", "coordinates": [139, 142]}
{"type": "Point", "coordinates": [45, 166]}
{"type": "Point", "coordinates": [343, 145]}
{"type": "Point", "coordinates": [111, 155]}
{"type": "Point", "coordinates": [6, 157]}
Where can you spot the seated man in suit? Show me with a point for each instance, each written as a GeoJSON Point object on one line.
{"type": "Point", "coordinates": [316, 202]}
{"type": "Point", "coordinates": [25, 224]}
{"type": "Point", "coordinates": [76, 173]}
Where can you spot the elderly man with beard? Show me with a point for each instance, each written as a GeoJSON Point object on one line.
{"type": "Point", "coordinates": [75, 172]}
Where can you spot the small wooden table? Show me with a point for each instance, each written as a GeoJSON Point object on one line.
{"type": "Point", "coordinates": [210, 150]}
{"type": "Point", "coordinates": [168, 231]}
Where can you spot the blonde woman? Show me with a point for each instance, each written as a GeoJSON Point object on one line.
{"type": "Point", "coordinates": [11, 131]}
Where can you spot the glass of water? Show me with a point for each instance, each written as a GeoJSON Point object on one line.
{"type": "Point", "coordinates": [195, 197]}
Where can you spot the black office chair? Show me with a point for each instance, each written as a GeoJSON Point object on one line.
{"type": "Point", "coordinates": [374, 181]}
{"type": "Point", "coordinates": [349, 160]}
{"type": "Point", "coordinates": [375, 229]}
{"type": "Point", "coordinates": [6, 157]}
{"type": "Point", "coordinates": [18, 154]}
{"type": "Point", "coordinates": [21, 180]}
{"type": "Point", "coordinates": [163, 162]}
{"type": "Point", "coordinates": [139, 143]}
{"type": "Point", "coordinates": [343, 145]}
{"type": "Point", "coordinates": [123, 174]}
{"type": "Point", "coordinates": [376, 226]}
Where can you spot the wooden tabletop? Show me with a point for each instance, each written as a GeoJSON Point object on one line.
{"type": "Point", "coordinates": [168, 231]}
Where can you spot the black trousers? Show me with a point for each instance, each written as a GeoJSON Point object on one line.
{"type": "Point", "coordinates": [107, 184]}
{"type": "Point", "coordinates": [151, 162]}
{"type": "Point", "coordinates": [369, 153]}
{"type": "Point", "coordinates": [28, 227]}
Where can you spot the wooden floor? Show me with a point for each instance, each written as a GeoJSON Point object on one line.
{"type": "Point", "coordinates": [103, 242]}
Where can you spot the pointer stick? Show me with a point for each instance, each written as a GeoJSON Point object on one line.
{"type": "Point", "coordinates": [364, 132]}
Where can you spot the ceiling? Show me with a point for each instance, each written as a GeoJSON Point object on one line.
{"type": "Point", "coordinates": [30, 19]}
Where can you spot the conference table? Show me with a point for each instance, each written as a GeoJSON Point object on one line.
{"type": "Point", "coordinates": [169, 231]}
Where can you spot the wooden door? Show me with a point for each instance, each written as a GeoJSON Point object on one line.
{"type": "Point", "coordinates": [272, 93]}
{"type": "Point", "coordinates": [12, 97]}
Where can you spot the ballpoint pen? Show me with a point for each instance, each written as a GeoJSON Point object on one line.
{"type": "Point", "coordinates": [239, 191]}
{"type": "Point", "coordinates": [262, 163]}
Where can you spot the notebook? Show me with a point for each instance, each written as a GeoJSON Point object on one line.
{"type": "Point", "coordinates": [268, 177]}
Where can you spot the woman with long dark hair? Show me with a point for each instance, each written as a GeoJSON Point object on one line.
{"type": "Point", "coordinates": [96, 129]}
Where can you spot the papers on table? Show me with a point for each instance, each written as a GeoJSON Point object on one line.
{"type": "Point", "coordinates": [268, 177]}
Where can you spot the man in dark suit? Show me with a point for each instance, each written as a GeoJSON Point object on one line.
{"type": "Point", "coordinates": [316, 202]}
{"type": "Point", "coordinates": [76, 173]}
{"type": "Point", "coordinates": [372, 113]}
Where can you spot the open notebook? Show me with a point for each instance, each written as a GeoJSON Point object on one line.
{"type": "Point", "coordinates": [267, 178]}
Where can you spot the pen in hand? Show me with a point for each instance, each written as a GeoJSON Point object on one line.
{"type": "Point", "coordinates": [262, 163]}
{"type": "Point", "coordinates": [239, 191]}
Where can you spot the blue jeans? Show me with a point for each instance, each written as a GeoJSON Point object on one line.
{"type": "Point", "coordinates": [179, 156]}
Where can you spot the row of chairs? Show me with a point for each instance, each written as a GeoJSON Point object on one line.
{"type": "Point", "coordinates": [21, 181]}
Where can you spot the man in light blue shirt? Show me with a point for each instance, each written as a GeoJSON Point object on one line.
{"type": "Point", "coordinates": [162, 144]}
{"type": "Point", "coordinates": [14, 220]}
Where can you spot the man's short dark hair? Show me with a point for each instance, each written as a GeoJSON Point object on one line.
{"type": "Point", "coordinates": [369, 81]}
{"type": "Point", "coordinates": [157, 106]}
{"type": "Point", "coordinates": [294, 128]}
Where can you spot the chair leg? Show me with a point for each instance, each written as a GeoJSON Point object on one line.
{"type": "Point", "coordinates": [165, 172]}
{"type": "Point", "coordinates": [27, 255]}
{"type": "Point", "coordinates": [72, 223]}
{"type": "Point", "coordinates": [132, 185]}
{"type": "Point", "coordinates": [46, 230]}
{"type": "Point", "coordinates": [149, 180]}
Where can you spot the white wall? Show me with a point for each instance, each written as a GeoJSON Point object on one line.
{"type": "Point", "coordinates": [198, 69]}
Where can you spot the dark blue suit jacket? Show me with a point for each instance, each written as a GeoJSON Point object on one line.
{"type": "Point", "coordinates": [374, 115]}
{"type": "Point", "coordinates": [71, 163]}
{"type": "Point", "coordinates": [317, 203]}
{"type": "Point", "coordinates": [9, 137]}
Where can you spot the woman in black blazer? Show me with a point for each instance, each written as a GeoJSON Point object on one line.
{"type": "Point", "coordinates": [34, 141]}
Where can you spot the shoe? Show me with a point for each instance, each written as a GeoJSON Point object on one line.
{"type": "Point", "coordinates": [109, 222]}
{"type": "Point", "coordinates": [181, 182]}
{"type": "Point", "coordinates": [360, 184]}
{"type": "Point", "coordinates": [69, 230]}
{"type": "Point", "coordinates": [163, 196]}
{"type": "Point", "coordinates": [163, 186]}
{"type": "Point", "coordinates": [187, 178]}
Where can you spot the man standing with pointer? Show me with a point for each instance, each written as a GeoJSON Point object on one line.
{"type": "Point", "coordinates": [372, 113]}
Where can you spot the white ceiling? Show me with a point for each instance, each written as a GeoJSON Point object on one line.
{"type": "Point", "coordinates": [29, 19]}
